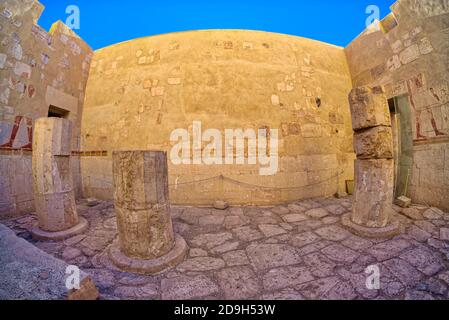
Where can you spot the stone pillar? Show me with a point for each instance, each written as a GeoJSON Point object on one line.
{"type": "Point", "coordinates": [372, 214]}
{"type": "Point", "coordinates": [146, 242]}
{"type": "Point", "coordinates": [54, 195]}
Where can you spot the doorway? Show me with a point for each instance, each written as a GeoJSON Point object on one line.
{"type": "Point", "coordinates": [401, 123]}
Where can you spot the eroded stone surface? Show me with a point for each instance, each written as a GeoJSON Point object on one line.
{"type": "Point", "coordinates": [309, 260]}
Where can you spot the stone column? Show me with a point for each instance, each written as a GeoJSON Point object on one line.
{"type": "Point", "coordinates": [54, 195]}
{"type": "Point", "coordinates": [146, 242]}
{"type": "Point", "coordinates": [372, 214]}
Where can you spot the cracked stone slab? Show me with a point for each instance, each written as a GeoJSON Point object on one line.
{"type": "Point", "coordinates": [424, 260]}
{"type": "Point", "coordinates": [333, 233]}
{"type": "Point", "coordinates": [247, 234]}
{"type": "Point", "coordinates": [317, 213]}
{"type": "Point", "coordinates": [238, 283]}
{"type": "Point", "coordinates": [268, 256]}
{"type": "Point", "coordinates": [403, 271]}
{"type": "Point", "coordinates": [286, 294]}
{"type": "Point", "coordinates": [320, 265]}
{"type": "Point", "coordinates": [188, 287]}
{"type": "Point", "coordinates": [271, 230]}
{"type": "Point", "coordinates": [303, 239]}
{"type": "Point", "coordinates": [225, 247]}
{"type": "Point", "coordinates": [201, 264]}
{"type": "Point", "coordinates": [340, 253]}
{"type": "Point", "coordinates": [328, 289]}
{"type": "Point", "coordinates": [294, 217]}
{"type": "Point", "coordinates": [284, 277]}
{"type": "Point", "coordinates": [236, 258]}
{"type": "Point", "coordinates": [211, 240]}
{"type": "Point", "coordinates": [388, 249]}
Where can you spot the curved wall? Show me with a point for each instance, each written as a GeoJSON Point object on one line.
{"type": "Point", "coordinates": [139, 91]}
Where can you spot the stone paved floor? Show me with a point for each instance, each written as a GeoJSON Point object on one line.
{"type": "Point", "coordinates": [299, 251]}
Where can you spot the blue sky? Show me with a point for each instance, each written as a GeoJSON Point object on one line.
{"type": "Point", "coordinates": [106, 22]}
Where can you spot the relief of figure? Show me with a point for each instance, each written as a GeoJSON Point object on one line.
{"type": "Point", "coordinates": [418, 93]}
{"type": "Point", "coordinates": [15, 130]}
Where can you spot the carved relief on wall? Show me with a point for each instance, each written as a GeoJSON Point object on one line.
{"type": "Point", "coordinates": [423, 100]}
{"type": "Point", "coordinates": [17, 135]}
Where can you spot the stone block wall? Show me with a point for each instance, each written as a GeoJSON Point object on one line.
{"type": "Point", "coordinates": [38, 69]}
{"type": "Point", "coordinates": [139, 91]}
{"type": "Point", "coordinates": [409, 54]}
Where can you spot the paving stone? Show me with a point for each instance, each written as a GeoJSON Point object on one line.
{"type": "Point", "coordinates": [359, 283]}
{"type": "Point", "coordinates": [394, 288]}
{"type": "Point", "coordinates": [313, 247]}
{"type": "Point", "coordinates": [110, 223]}
{"type": "Point", "coordinates": [330, 220]}
{"type": "Point", "coordinates": [309, 204]}
{"type": "Point", "coordinates": [357, 243]}
{"type": "Point", "coordinates": [319, 265]}
{"type": "Point", "coordinates": [433, 214]}
{"type": "Point", "coordinates": [264, 220]}
{"type": "Point", "coordinates": [201, 264]}
{"type": "Point", "coordinates": [286, 294]}
{"type": "Point", "coordinates": [286, 226]}
{"type": "Point", "coordinates": [428, 227]}
{"type": "Point", "coordinates": [417, 295]}
{"type": "Point", "coordinates": [333, 233]}
{"type": "Point", "coordinates": [211, 240]}
{"type": "Point", "coordinates": [413, 213]}
{"type": "Point", "coordinates": [191, 215]}
{"type": "Point", "coordinates": [238, 283]}
{"type": "Point", "coordinates": [336, 209]}
{"type": "Point", "coordinates": [294, 217]}
{"type": "Point", "coordinates": [247, 233]}
{"type": "Point", "coordinates": [295, 208]}
{"type": "Point", "coordinates": [225, 247]}
{"type": "Point", "coordinates": [95, 243]}
{"type": "Point", "coordinates": [284, 277]}
{"type": "Point", "coordinates": [187, 288]}
{"type": "Point", "coordinates": [280, 210]}
{"type": "Point", "coordinates": [403, 271]}
{"type": "Point", "coordinates": [268, 256]}
{"type": "Point", "coordinates": [444, 234]}
{"type": "Point", "coordinates": [103, 278]}
{"type": "Point", "coordinates": [135, 280]}
{"type": "Point", "coordinates": [235, 258]}
{"type": "Point", "coordinates": [70, 253]}
{"type": "Point", "coordinates": [303, 239]}
{"type": "Point", "coordinates": [308, 225]}
{"type": "Point", "coordinates": [211, 220]}
{"type": "Point", "coordinates": [231, 222]}
{"type": "Point", "coordinates": [197, 252]}
{"type": "Point", "coordinates": [317, 213]}
{"type": "Point", "coordinates": [388, 249]}
{"type": "Point", "coordinates": [424, 260]}
{"type": "Point", "coordinates": [432, 285]}
{"type": "Point", "coordinates": [444, 276]}
{"type": "Point", "coordinates": [271, 230]}
{"type": "Point", "coordinates": [418, 234]}
{"type": "Point", "coordinates": [340, 253]}
{"type": "Point", "coordinates": [328, 289]}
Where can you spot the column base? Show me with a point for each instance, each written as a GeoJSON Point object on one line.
{"type": "Point", "coordinates": [42, 235]}
{"type": "Point", "coordinates": [152, 266]}
{"type": "Point", "coordinates": [391, 230]}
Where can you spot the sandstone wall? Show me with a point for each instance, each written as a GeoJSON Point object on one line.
{"type": "Point", "coordinates": [38, 69]}
{"type": "Point", "coordinates": [139, 91]}
{"type": "Point", "coordinates": [409, 54]}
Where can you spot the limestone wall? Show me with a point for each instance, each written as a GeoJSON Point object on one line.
{"type": "Point", "coordinates": [139, 91]}
{"type": "Point", "coordinates": [38, 69]}
{"type": "Point", "coordinates": [409, 54]}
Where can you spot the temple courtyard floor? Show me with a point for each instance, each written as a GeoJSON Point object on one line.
{"type": "Point", "coordinates": [297, 251]}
